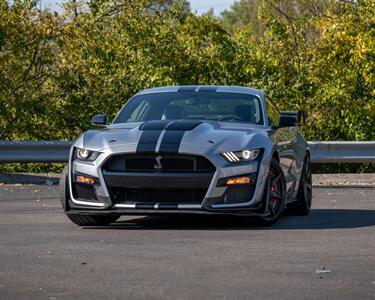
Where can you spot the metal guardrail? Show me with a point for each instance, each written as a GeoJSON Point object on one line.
{"type": "Point", "coordinates": [58, 151]}
{"type": "Point", "coordinates": [342, 152]}
{"type": "Point", "coordinates": [30, 151]}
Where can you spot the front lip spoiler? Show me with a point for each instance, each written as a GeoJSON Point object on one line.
{"type": "Point", "coordinates": [140, 211]}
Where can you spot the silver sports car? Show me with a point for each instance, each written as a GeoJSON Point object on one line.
{"type": "Point", "coordinates": [190, 150]}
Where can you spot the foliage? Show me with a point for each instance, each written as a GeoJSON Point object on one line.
{"type": "Point", "coordinates": [245, 13]}
{"type": "Point", "coordinates": [325, 66]}
{"type": "Point", "coordinates": [58, 71]}
{"type": "Point", "coordinates": [27, 53]}
{"type": "Point", "coordinates": [321, 63]}
{"type": "Point", "coordinates": [242, 14]}
{"type": "Point", "coordinates": [104, 60]}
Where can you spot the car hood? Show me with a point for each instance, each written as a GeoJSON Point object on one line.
{"type": "Point", "coordinates": [218, 136]}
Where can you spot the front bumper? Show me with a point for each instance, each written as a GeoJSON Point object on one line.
{"type": "Point", "coordinates": [214, 201]}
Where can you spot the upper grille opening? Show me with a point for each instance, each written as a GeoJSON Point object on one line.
{"type": "Point", "coordinates": [157, 163]}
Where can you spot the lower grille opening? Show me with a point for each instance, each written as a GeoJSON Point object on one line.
{"type": "Point", "coordinates": [239, 194]}
{"type": "Point", "coordinates": [84, 192]}
{"type": "Point", "coordinates": [123, 195]}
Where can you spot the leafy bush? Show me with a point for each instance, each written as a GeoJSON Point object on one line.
{"type": "Point", "coordinates": [58, 71]}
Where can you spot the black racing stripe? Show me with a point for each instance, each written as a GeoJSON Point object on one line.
{"type": "Point", "coordinates": [144, 205]}
{"type": "Point", "coordinates": [185, 125]}
{"type": "Point", "coordinates": [174, 133]}
{"type": "Point", "coordinates": [147, 142]}
{"type": "Point", "coordinates": [171, 141]}
{"type": "Point", "coordinates": [168, 206]}
{"type": "Point", "coordinates": [154, 125]}
{"type": "Point", "coordinates": [151, 132]}
{"type": "Point", "coordinates": [191, 88]}
{"type": "Point", "coordinates": [208, 89]}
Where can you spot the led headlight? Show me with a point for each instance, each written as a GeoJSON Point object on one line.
{"type": "Point", "coordinates": [85, 155]}
{"type": "Point", "coordinates": [241, 156]}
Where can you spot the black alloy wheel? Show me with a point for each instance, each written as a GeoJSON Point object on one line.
{"type": "Point", "coordinates": [80, 219]}
{"type": "Point", "coordinates": [275, 194]}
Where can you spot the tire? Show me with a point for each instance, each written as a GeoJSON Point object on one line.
{"type": "Point", "coordinates": [87, 220]}
{"type": "Point", "coordinates": [274, 195]}
{"type": "Point", "coordinates": [302, 206]}
{"type": "Point", "coordinates": [81, 220]}
{"type": "Point", "coordinates": [64, 189]}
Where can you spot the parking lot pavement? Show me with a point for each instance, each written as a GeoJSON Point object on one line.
{"type": "Point", "coordinates": [327, 255]}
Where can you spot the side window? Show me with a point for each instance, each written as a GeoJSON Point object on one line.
{"type": "Point", "coordinates": [273, 113]}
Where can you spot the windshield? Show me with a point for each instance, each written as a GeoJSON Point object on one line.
{"type": "Point", "coordinates": [216, 106]}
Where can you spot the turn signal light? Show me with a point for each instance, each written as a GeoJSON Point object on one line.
{"type": "Point", "coordinates": [239, 180]}
{"type": "Point", "coordinates": [85, 180]}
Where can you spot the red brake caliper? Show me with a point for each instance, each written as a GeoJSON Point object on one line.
{"type": "Point", "coordinates": [273, 189]}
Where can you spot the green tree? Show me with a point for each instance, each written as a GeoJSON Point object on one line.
{"type": "Point", "coordinates": [241, 14]}
{"type": "Point", "coordinates": [109, 54]}
{"type": "Point", "coordinates": [342, 67]}
{"type": "Point", "coordinates": [244, 13]}
{"type": "Point", "coordinates": [165, 5]}
{"type": "Point", "coordinates": [323, 64]}
{"type": "Point", "coordinates": [27, 53]}
{"type": "Point", "coordinates": [57, 71]}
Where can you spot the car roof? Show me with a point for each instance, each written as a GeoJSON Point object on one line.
{"type": "Point", "coordinates": [204, 88]}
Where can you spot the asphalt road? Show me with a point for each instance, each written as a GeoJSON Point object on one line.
{"type": "Point", "coordinates": [328, 255]}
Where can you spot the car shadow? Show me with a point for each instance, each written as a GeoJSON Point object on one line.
{"type": "Point", "coordinates": [329, 219]}
{"type": "Point", "coordinates": [318, 219]}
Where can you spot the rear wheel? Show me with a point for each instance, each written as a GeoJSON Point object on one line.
{"type": "Point", "coordinates": [81, 220]}
{"type": "Point", "coordinates": [274, 194]}
{"type": "Point", "coordinates": [302, 206]}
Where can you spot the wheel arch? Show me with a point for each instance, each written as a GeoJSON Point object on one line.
{"type": "Point", "coordinates": [276, 156]}
{"type": "Point", "coordinates": [308, 153]}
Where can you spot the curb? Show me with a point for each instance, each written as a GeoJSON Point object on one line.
{"type": "Point", "coordinates": [29, 179]}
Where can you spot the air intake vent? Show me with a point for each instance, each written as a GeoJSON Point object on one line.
{"type": "Point", "coordinates": [158, 163]}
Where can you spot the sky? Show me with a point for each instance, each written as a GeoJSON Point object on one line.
{"type": "Point", "coordinates": [200, 6]}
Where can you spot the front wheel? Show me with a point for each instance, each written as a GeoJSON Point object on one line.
{"type": "Point", "coordinates": [274, 194]}
{"type": "Point", "coordinates": [80, 220]}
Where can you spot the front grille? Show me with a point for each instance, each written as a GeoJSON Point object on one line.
{"type": "Point", "coordinates": [157, 163]}
{"type": "Point", "coordinates": [154, 178]}
{"type": "Point", "coordinates": [123, 195]}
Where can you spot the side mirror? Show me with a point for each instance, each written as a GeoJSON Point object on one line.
{"type": "Point", "coordinates": [99, 120]}
{"type": "Point", "coordinates": [289, 118]}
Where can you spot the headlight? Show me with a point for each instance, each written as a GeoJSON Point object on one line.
{"type": "Point", "coordinates": [85, 155]}
{"type": "Point", "coordinates": [241, 156]}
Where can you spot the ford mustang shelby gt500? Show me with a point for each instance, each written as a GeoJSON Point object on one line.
{"type": "Point", "coordinates": [190, 149]}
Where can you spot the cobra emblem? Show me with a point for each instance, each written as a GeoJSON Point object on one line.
{"type": "Point", "coordinates": [158, 165]}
